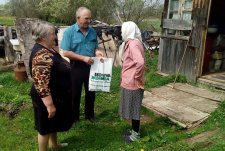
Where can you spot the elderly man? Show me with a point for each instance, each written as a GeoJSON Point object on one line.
{"type": "Point", "coordinates": [80, 44]}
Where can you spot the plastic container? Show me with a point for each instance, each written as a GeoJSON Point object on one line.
{"type": "Point", "coordinates": [217, 65]}
{"type": "Point", "coordinates": [217, 55]}
{"type": "Point", "coordinates": [212, 29]}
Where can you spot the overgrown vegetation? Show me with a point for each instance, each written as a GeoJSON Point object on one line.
{"type": "Point", "coordinates": [157, 132]}
{"type": "Point", "coordinates": [13, 94]}
{"type": "Point", "coordinates": [151, 24]}
{"type": "Point", "coordinates": [7, 20]}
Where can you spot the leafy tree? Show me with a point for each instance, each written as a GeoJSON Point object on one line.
{"type": "Point", "coordinates": [24, 8]}
{"type": "Point", "coordinates": [64, 11]}
{"type": "Point", "coordinates": [60, 11]}
{"type": "Point", "coordinates": [102, 10]}
{"type": "Point", "coordinates": [136, 10]}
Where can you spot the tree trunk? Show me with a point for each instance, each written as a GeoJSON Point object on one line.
{"type": "Point", "coordinates": [24, 34]}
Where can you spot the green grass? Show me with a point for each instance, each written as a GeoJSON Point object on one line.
{"type": "Point", "coordinates": [151, 24]}
{"type": "Point", "coordinates": [106, 135]}
{"type": "Point", "coordinates": [7, 20]}
{"type": "Point", "coordinates": [13, 91]}
{"type": "Point", "coordinates": [152, 79]}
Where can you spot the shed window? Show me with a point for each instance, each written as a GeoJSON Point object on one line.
{"type": "Point", "coordinates": [179, 10]}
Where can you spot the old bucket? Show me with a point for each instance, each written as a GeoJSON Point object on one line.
{"type": "Point", "coordinates": [20, 71]}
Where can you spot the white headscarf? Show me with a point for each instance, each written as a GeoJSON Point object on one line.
{"type": "Point", "coordinates": [129, 31]}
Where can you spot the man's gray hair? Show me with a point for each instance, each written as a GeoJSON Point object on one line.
{"type": "Point", "coordinates": [80, 10]}
{"type": "Point", "coordinates": [40, 30]}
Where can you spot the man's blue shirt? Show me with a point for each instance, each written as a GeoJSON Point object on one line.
{"type": "Point", "coordinates": [74, 40]}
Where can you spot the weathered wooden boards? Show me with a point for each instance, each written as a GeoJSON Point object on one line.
{"type": "Point", "coordinates": [184, 104]}
{"type": "Point", "coordinates": [172, 46]}
{"type": "Point", "coordinates": [219, 77]}
{"type": "Point", "coordinates": [203, 93]}
{"type": "Point", "coordinates": [9, 53]}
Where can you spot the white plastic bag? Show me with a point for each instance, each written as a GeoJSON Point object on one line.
{"type": "Point", "coordinates": [100, 74]}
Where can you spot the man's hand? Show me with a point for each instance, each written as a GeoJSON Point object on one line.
{"type": "Point", "coordinates": [88, 60]}
{"type": "Point", "coordinates": [98, 53]}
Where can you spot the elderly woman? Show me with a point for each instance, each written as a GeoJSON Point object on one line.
{"type": "Point", "coordinates": [51, 89]}
{"type": "Point", "coordinates": [132, 78]}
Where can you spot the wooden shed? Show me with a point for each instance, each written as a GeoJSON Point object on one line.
{"type": "Point", "coordinates": [194, 30]}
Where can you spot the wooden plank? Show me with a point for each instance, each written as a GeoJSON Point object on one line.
{"type": "Point", "coordinates": [219, 77]}
{"type": "Point", "coordinates": [216, 73]}
{"type": "Point", "coordinates": [177, 111]}
{"type": "Point", "coordinates": [162, 74]}
{"type": "Point", "coordinates": [164, 56]}
{"type": "Point", "coordinates": [190, 62]}
{"type": "Point", "coordinates": [222, 76]}
{"type": "Point", "coordinates": [199, 91]}
{"type": "Point", "coordinates": [181, 53]}
{"type": "Point", "coordinates": [199, 3]}
{"type": "Point", "coordinates": [165, 10]}
{"type": "Point", "coordinates": [211, 83]}
{"type": "Point", "coordinates": [178, 122]}
{"type": "Point", "coordinates": [216, 78]}
{"type": "Point", "coordinates": [177, 24]}
{"type": "Point", "coordinates": [185, 38]}
{"type": "Point", "coordinates": [200, 15]}
{"type": "Point", "coordinates": [202, 137]}
{"type": "Point", "coordinates": [187, 99]}
{"type": "Point", "coordinates": [160, 56]}
{"type": "Point", "coordinates": [171, 56]}
{"type": "Point", "coordinates": [195, 3]}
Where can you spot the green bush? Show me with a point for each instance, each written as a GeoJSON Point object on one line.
{"type": "Point", "coordinates": [7, 20]}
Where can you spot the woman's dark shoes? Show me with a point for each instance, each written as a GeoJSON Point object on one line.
{"type": "Point", "coordinates": [127, 132]}
{"type": "Point", "coordinates": [127, 139]}
{"type": "Point", "coordinates": [134, 136]}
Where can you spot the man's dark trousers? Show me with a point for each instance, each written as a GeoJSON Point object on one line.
{"type": "Point", "coordinates": [80, 75]}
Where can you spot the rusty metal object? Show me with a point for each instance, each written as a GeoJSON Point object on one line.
{"type": "Point", "coordinates": [20, 71]}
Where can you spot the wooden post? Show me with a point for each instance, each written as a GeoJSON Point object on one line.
{"type": "Point", "coordinates": [9, 53]}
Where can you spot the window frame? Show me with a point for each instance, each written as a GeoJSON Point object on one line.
{"type": "Point", "coordinates": [182, 7]}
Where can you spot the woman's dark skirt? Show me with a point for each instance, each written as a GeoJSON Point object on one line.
{"type": "Point", "coordinates": [62, 121]}
{"type": "Point", "coordinates": [130, 103]}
